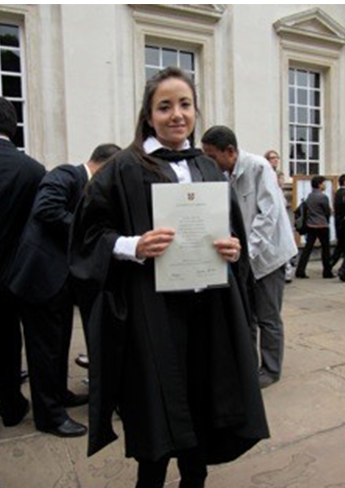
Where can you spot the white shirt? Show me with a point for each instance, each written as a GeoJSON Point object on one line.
{"type": "Point", "coordinates": [125, 247]}
{"type": "Point", "coordinates": [88, 172]}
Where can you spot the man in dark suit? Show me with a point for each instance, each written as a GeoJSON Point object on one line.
{"type": "Point", "coordinates": [19, 179]}
{"type": "Point", "coordinates": [339, 214]}
{"type": "Point", "coordinates": [40, 278]}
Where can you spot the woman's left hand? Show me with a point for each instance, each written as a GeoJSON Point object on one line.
{"type": "Point", "coordinates": [229, 248]}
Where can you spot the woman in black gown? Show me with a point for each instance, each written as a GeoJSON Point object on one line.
{"type": "Point", "coordinates": [179, 366]}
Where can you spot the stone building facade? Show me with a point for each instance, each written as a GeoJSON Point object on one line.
{"type": "Point", "coordinates": [273, 73]}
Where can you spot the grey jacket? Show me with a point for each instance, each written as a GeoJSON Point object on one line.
{"type": "Point", "coordinates": [319, 209]}
{"type": "Point", "coordinates": [270, 238]}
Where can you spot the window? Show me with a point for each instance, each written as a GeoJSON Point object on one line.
{"type": "Point", "coordinates": [157, 58]}
{"type": "Point", "coordinates": [11, 75]}
{"type": "Point", "coordinates": [305, 121]}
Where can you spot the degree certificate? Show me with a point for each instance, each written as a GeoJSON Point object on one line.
{"type": "Point", "coordinates": [200, 214]}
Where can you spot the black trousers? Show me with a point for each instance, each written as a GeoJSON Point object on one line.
{"type": "Point", "coordinates": [323, 235]}
{"type": "Point", "coordinates": [339, 250]}
{"type": "Point", "coordinates": [48, 330]}
{"type": "Point", "coordinates": [11, 399]}
{"type": "Point", "coordinates": [191, 465]}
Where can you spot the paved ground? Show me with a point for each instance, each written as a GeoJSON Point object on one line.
{"type": "Point", "coordinates": [306, 413]}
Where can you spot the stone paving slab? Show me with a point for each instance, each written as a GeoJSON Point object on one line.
{"type": "Point", "coordinates": [306, 413]}
{"type": "Point", "coordinates": [315, 462]}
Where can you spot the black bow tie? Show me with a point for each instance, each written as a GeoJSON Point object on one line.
{"type": "Point", "coordinates": [173, 156]}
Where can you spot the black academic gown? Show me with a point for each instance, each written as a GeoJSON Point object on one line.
{"type": "Point", "coordinates": [134, 362]}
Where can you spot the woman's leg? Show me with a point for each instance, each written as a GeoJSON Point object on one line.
{"type": "Point", "coordinates": [193, 469]}
{"type": "Point", "coordinates": [151, 474]}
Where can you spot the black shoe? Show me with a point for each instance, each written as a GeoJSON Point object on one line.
{"type": "Point", "coordinates": [265, 380]}
{"type": "Point", "coordinates": [341, 275]}
{"type": "Point", "coordinates": [83, 361]}
{"type": "Point", "coordinates": [74, 400]}
{"type": "Point", "coordinates": [16, 417]}
{"type": "Point", "coordinates": [328, 274]}
{"type": "Point", "coordinates": [68, 428]}
{"type": "Point", "coordinates": [301, 275]}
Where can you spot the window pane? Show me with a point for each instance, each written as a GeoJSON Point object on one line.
{"type": "Point", "coordinates": [292, 114]}
{"type": "Point", "coordinates": [187, 61]}
{"type": "Point", "coordinates": [314, 79]}
{"type": "Point", "coordinates": [302, 115]}
{"type": "Point", "coordinates": [292, 151]}
{"type": "Point", "coordinates": [18, 139]}
{"type": "Point", "coordinates": [302, 78]}
{"type": "Point", "coordinates": [315, 116]}
{"type": "Point", "coordinates": [149, 72]}
{"type": "Point", "coordinates": [291, 95]}
{"type": "Point", "coordinates": [314, 98]}
{"type": "Point", "coordinates": [11, 86]}
{"type": "Point", "coordinates": [314, 135]}
{"type": "Point", "coordinates": [301, 168]}
{"type": "Point", "coordinates": [314, 169]}
{"type": "Point", "coordinates": [9, 35]}
{"type": "Point", "coordinates": [169, 57]}
{"type": "Point", "coordinates": [302, 97]}
{"type": "Point", "coordinates": [291, 76]}
{"type": "Point", "coordinates": [292, 132]}
{"type": "Point", "coordinates": [301, 133]}
{"type": "Point", "coordinates": [10, 61]}
{"type": "Point", "coordinates": [19, 110]}
{"type": "Point", "coordinates": [314, 152]}
{"type": "Point", "coordinates": [292, 168]}
{"type": "Point", "coordinates": [301, 151]}
{"type": "Point", "coordinates": [152, 56]}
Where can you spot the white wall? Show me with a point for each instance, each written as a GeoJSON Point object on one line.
{"type": "Point", "coordinates": [98, 82]}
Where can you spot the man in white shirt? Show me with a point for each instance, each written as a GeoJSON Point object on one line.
{"type": "Point", "coordinates": [270, 240]}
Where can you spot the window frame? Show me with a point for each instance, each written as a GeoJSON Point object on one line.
{"type": "Point", "coordinates": [320, 126]}
{"type": "Point", "coordinates": [21, 75]}
{"type": "Point", "coordinates": [314, 40]}
{"type": "Point", "coordinates": [183, 27]}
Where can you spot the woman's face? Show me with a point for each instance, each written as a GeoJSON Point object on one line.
{"type": "Point", "coordinates": [172, 112]}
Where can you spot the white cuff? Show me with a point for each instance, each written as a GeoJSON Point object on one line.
{"type": "Point", "coordinates": [125, 249]}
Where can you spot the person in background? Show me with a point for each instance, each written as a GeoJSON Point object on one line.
{"type": "Point", "coordinates": [319, 212]}
{"type": "Point", "coordinates": [270, 240]}
{"type": "Point", "coordinates": [40, 279]}
{"type": "Point", "coordinates": [20, 176]}
{"type": "Point", "coordinates": [273, 158]}
{"type": "Point", "coordinates": [180, 366]}
{"type": "Point", "coordinates": [339, 214]}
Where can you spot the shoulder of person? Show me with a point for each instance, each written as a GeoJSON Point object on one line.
{"type": "Point", "coordinates": [31, 165]}
{"type": "Point", "coordinates": [255, 160]}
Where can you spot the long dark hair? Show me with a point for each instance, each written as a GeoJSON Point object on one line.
{"type": "Point", "coordinates": [143, 128]}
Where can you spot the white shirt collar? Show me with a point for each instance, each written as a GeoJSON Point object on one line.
{"type": "Point", "coordinates": [88, 172]}
{"type": "Point", "coordinates": [5, 138]}
{"type": "Point", "coordinates": [151, 144]}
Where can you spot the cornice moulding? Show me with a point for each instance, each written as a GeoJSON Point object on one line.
{"type": "Point", "coordinates": [210, 14]}
{"type": "Point", "coordinates": [313, 24]}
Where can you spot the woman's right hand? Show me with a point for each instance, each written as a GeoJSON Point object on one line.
{"type": "Point", "coordinates": [153, 243]}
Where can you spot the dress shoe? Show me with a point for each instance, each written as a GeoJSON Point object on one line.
{"type": "Point", "coordinates": [341, 275]}
{"type": "Point", "coordinates": [82, 360]}
{"type": "Point", "coordinates": [74, 400]}
{"type": "Point", "coordinates": [301, 275]}
{"type": "Point", "coordinates": [265, 380]}
{"type": "Point", "coordinates": [13, 419]}
{"type": "Point", "coordinates": [68, 428]}
{"type": "Point", "coordinates": [328, 274]}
